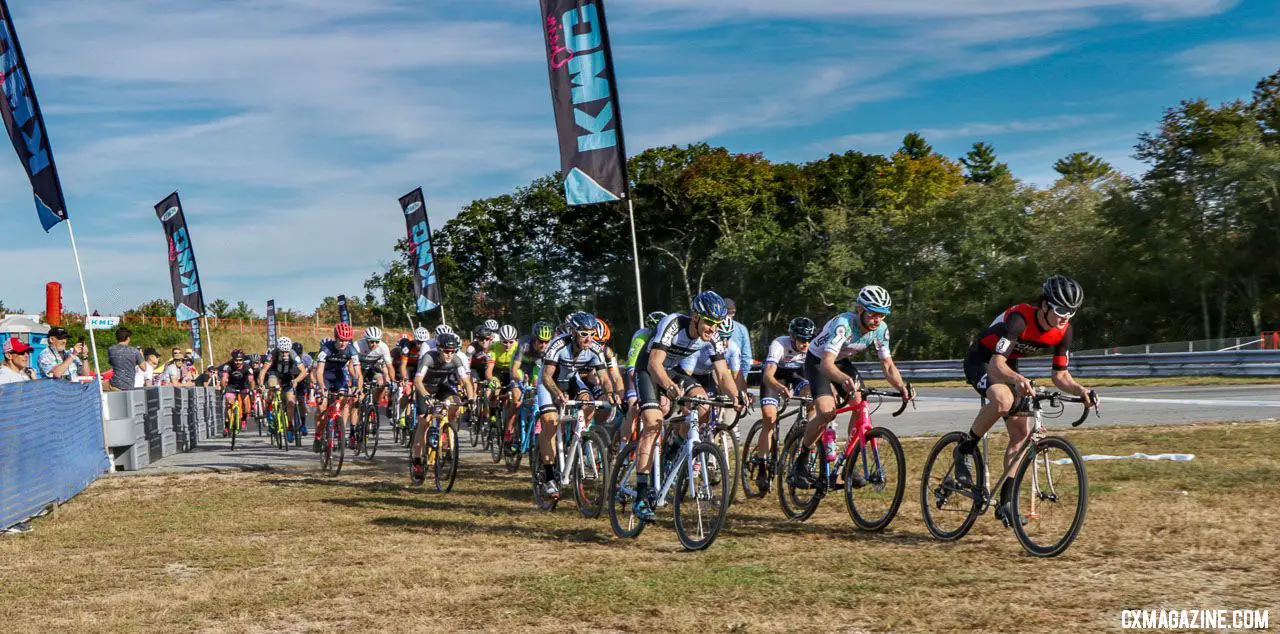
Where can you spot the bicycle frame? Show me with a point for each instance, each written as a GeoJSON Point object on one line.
{"type": "Point", "coordinates": [571, 459]}
{"type": "Point", "coordinates": [858, 429]}
{"type": "Point", "coordinates": [684, 459]}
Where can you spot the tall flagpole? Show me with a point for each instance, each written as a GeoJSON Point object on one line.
{"type": "Point", "coordinates": [84, 294]}
{"type": "Point", "coordinates": [635, 253]}
{"type": "Point", "coordinates": [209, 337]}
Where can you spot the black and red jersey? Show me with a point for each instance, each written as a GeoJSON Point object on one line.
{"type": "Point", "coordinates": [1017, 333]}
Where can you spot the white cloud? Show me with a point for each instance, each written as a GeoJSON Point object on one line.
{"type": "Point", "coordinates": [1245, 58]}
{"type": "Point", "coordinates": [727, 9]}
{"type": "Point", "coordinates": [888, 139]}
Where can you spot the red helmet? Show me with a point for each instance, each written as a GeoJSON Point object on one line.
{"type": "Point", "coordinates": [344, 332]}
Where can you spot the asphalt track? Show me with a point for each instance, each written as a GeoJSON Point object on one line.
{"type": "Point", "coordinates": [938, 411]}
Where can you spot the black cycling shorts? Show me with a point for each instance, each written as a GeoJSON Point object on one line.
{"type": "Point", "coordinates": [820, 385]}
{"type": "Point", "coordinates": [648, 391]}
{"type": "Point", "coordinates": [975, 368]}
{"type": "Point", "coordinates": [790, 377]}
{"type": "Point", "coordinates": [286, 380]}
{"type": "Point", "coordinates": [441, 392]}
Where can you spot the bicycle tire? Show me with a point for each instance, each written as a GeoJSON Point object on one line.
{"type": "Point", "coordinates": [326, 449]}
{"type": "Point", "coordinates": [624, 523]}
{"type": "Point", "coordinates": [593, 466]}
{"type": "Point", "coordinates": [728, 443]}
{"type": "Point", "coordinates": [1081, 484]}
{"type": "Point", "coordinates": [340, 443]}
{"type": "Point", "coordinates": [495, 445]}
{"type": "Point", "coordinates": [445, 468]}
{"type": "Point", "coordinates": [791, 499]}
{"type": "Point", "coordinates": [704, 454]}
{"type": "Point", "coordinates": [886, 445]}
{"type": "Point", "coordinates": [471, 417]}
{"type": "Point", "coordinates": [749, 469]}
{"type": "Point", "coordinates": [371, 434]}
{"type": "Point", "coordinates": [234, 428]}
{"type": "Point", "coordinates": [937, 495]}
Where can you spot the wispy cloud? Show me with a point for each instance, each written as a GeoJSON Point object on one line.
{"type": "Point", "coordinates": [1244, 58]}
{"type": "Point", "coordinates": [978, 131]}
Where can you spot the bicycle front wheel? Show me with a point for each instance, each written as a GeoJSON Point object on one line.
{"type": "Point", "coordinates": [875, 478]}
{"type": "Point", "coordinates": [797, 504]}
{"type": "Point", "coordinates": [1053, 493]}
{"type": "Point", "coordinates": [371, 433]}
{"type": "Point", "coordinates": [728, 443]}
{"type": "Point", "coordinates": [622, 494]}
{"type": "Point", "coordinates": [949, 506]}
{"type": "Point", "coordinates": [591, 474]}
{"type": "Point", "coordinates": [753, 471]}
{"type": "Point", "coordinates": [445, 468]}
{"type": "Point", "coordinates": [702, 502]}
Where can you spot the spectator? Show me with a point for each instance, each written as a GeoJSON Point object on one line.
{"type": "Point", "coordinates": [17, 362]}
{"type": "Point", "coordinates": [125, 360]}
{"type": "Point", "coordinates": [743, 338]}
{"type": "Point", "coordinates": [208, 378]}
{"type": "Point", "coordinates": [57, 362]}
{"type": "Point", "coordinates": [149, 373]}
{"type": "Point", "coordinates": [175, 371]}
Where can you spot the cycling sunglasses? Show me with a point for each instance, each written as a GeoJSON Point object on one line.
{"type": "Point", "coordinates": [448, 350]}
{"type": "Point", "coordinates": [586, 333]}
{"type": "Point", "coordinates": [1065, 313]}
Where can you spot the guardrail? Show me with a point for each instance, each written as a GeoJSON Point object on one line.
{"type": "Point", "coordinates": [1260, 363]}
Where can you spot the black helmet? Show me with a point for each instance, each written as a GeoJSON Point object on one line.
{"type": "Point", "coordinates": [802, 328]}
{"type": "Point", "coordinates": [448, 340]}
{"type": "Point", "coordinates": [1063, 292]}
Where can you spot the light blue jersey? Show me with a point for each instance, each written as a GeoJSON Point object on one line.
{"type": "Point", "coordinates": [842, 336]}
{"type": "Point", "coordinates": [702, 362]}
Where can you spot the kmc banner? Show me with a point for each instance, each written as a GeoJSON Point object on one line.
{"type": "Point", "coordinates": [23, 121]}
{"type": "Point", "coordinates": [188, 302]}
{"type": "Point", "coordinates": [271, 325]}
{"type": "Point", "coordinates": [343, 314]}
{"type": "Point", "coordinates": [585, 97]}
{"type": "Point", "coordinates": [196, 351]}
{"type": "Point", "coordinates": [426, 287]}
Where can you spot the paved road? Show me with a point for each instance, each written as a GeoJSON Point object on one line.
{"type": "Point", "coordinates": [939, 410]}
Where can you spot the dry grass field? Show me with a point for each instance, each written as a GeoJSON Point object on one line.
{"type": "Point", "coordinates": [297, 552]}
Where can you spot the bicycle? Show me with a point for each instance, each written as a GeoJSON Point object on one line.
{"type": "Point", "coordinates": [585, 462]}
{"type": "Point", "coordinates": [235, 417]}
{"type": "Point", "coordinates": [754, 472]}
{"type": "Point", "coordinates": [333, 442]}
{"type": "Point", "coordinates": [440, 450]}
{"type": "Point", "coordinates": [1043, 499]}
{"type": "Point", "coordinates": [257, 408]}
{"type": "Point", "coordinates": [697, 476]}
{"type": "Point", "coordinates": [364, 434]}
{"type": "Point", "coordinates": [727, 438]}
{"type": "Point", "coordinates": [278, 421]}
{"type": "Point", "coordinates": [494, 442]}
{"type": "Point", "coordinates": [872, 466]}
{"type": "Point", "coordinates": [526, 426]}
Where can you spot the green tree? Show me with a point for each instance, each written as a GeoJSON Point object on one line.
{"type": "Point", "coordinates": [914, 146]}
{"type": "Point", "coordinates": [153, 308]}
{"type": "Point", "coordinates": [1082, 167]}
{"type": "Point", "coordinates": [981, 165]}
{"type": "Point", "coordinates": [219, 308]}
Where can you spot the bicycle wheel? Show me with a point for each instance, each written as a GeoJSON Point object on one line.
{"type": "Point", "coordinates": [701, 504]}
{"type": "Point", "coordinates": [339, 431]}
{"type": "Point", "coordinates": [371, 434]}
{"type": "Point", "coordinates": [539, 477]}
{"type": "Point", "coordinates": [949, 509]}
{"type": "Point", "coordinates": [445, 467]}
{"type": "Point", "coordinates": [327, 449]}
{"type": "Point", "coordinates": [1053, 493]}
{"type": "Point", "coordinates": [752, 471]}
{"type": "Point", "coordinates": [728, 444]}
{"type": "Point", "coordinates": [513, 458]}
{"type": "Point", "coordinates": [234, 427]}
{"type": "Point", "coordinates": [874, 504]}
{"type": "Point", "coordinates": [474, 420]}
{"type": "Point", "coordinates": [797, 504]}
{"type": "Point", "coordinates": [591, 474]}
{"type": "Point", "coordinates": [494, 441]}
{"type": "Point", "coordinates": [622, 493]}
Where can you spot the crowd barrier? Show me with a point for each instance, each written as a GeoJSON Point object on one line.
{"type": "Point", "coordinates": [145, 425]}
{"type": "Point", "coordinates": [51, 445]}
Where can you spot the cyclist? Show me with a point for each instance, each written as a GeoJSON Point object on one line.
{"type": "Point", "coordinates": [435, 367]}
{"type": "Point", "coordinates": [603, 335]}
{"type": "Point", "coordinates": [565, 357]}
{"type": "Point", "coordinates": [409, 352]}
{"type": "Point", "coordinates": [828, 365]}
{"type": "Point", "coordinates": [375, 362]}
{"type": "Point", "coordinates": [991, 367]}
{"type": "Point", "coordinates": [503, 370]}
{"type": "Point", "coordinates": [638, 340]}
{"type": "Point", "coordinates": [303, 385]}
{"type": "Point", "coordinates": [336, 368]}
{"type": "Point", "coordinates": [782, 376]}
{"type": "Point", "coordinates": [675, 338]}
{"type": "Point", "coordinates": [282, 370]}
{"type": "Point", "coordinates": [526, 370]}
{"type": "Point", "coordinates": [237, 382]}
{"type": "Point", "coordinates": [702, 368]}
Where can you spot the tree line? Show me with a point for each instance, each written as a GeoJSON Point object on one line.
{"type": "Point", "coordinates": [1186, 250]}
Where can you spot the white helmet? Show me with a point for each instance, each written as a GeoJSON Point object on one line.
{"type": "Point", "coordinates": [491, 325]}
{"type": "Point", "coordinates": [508, 333]}
{"type": "Point", "coordinates": [875, 298]}
{"type": "Point", "coordinates": [421, 334]}
{"type": "Point", "coordinates": [284, 344]}
{"type": "Point", "coordinates": [443, 328]}
{"type": "Point", "coordinates": [373, 333]}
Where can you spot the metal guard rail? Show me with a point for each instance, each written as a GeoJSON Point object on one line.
{"type": "Point", "coordinates": [1260, 363]}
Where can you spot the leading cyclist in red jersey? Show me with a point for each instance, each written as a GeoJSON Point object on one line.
{"type": "Point", "coordinates": [991, 367]}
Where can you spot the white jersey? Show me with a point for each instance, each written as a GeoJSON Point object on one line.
{"type": "Point", "coordinates": [373, 355]}
{"type": "Point", "coordinates": [672, 336]}
{"type": "Point", "coordinates": [783, 354]}
{"type": "Point", "coordinates": [702, 362]}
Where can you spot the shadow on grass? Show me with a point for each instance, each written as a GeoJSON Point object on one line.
{"type": "Point", "coordinates": [436, 524]}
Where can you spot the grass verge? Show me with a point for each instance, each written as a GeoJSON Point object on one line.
{"type": "Point", "coordinates": [297, 552]}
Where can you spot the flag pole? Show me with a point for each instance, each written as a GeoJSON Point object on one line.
{"type": "Point", "coordinates": [209, 337]}
{"type": "Point", "coordinates": [635, 253]}
{"type": "Point", "coordinates": [84, 294]}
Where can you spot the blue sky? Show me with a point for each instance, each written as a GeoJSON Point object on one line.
{"type": "Point", "coordinates": [290, 127]}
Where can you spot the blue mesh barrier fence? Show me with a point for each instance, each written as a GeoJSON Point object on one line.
{"type": "Point", "coordinates": [51, 445]}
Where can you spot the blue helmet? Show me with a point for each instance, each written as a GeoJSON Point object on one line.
{"type": "Point", "coordinates": [581, 321]}
{"type": "Point", "coordinates": [709, 305]}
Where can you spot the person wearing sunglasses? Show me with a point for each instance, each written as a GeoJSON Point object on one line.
{"type": "Point", "coordinates": [781, 376]}
{"type": "Point", "coordinates": [991, 367]}
{"type": "Point", "coordinates": [566, 358]}
{"type": "Point", "coordinates": [441, 375]}
{"type": "Point", "coordinates": [828, 366]}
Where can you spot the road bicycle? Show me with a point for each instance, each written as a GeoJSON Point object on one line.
{"type": "Point", "coordinates": [523, 440]}
{"type": "Point", "coordinates": [332, 442]}
{"type": "Point", "coordinates": [440, 447]}
{"type": "Point", "coordinates": [582, 458]}
{"type": "Point", "coordinates": [364, 433]}
{"type": "Point", "coordinates": [1050, 484]}
{"type": "Point", "coordinates": [758, 475]}
{"type": "Point", "coordinates": [235, 417]}
{"type": "Point", "coordinates": [871, 468]}
{"type": "Point", "coordinates": [695, 479]}
{"type": "Point", "coordinates": [278, 421]}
